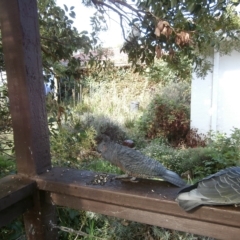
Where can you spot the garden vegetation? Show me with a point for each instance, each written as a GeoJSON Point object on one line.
{"type": "Point", "coordinates": [159, 125]}
{"type": "Point", "coordinates": [160, 128]}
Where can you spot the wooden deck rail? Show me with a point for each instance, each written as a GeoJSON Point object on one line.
{"type": "Point", "coordinates": [37, 187]}
{"type": "Point", "coordinates": [149, 201]}
{"type": "Point", "coordinates": [16, 197]}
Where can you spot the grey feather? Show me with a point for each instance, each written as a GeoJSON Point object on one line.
{"type": "Point", "coordinates": [135, 164]}
{"type": "Point", "coordinates": [221, 188]}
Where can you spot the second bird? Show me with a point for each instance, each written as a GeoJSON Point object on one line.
{"type": "Point", "coordinates": [135, 164]}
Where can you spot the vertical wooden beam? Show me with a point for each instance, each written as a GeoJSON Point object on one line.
{"type": "Point", "coordinates": [38, 222]}
{"type": "Point", "coordinates": [22, 55]}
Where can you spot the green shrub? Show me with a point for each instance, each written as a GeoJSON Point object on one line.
{"type": "Point", "coordinates": [159, 149]}
{"type": "Point", "coordinates": [6, 131]}
{"type": "Point", "coordinates": [193, 162]}
{"type": "Point", "coordinates": [7, 166]}
{"type": "Point", "coordinates": [5, 119]}
{"type": "Point", "coordinates": [166, 117]}
{"type": "Point", "coordinates": [164, 72]}
{"type": "Point", "coordinates": [221, 152]}
{"type": "Point", "coordinates": [225, 149]}
{"type": "Point", "coordinates": [14, 230]}
{"type": "Point", "coordinates": [72, 144]}
{"type": "Point", "coordinates": [103, 125]}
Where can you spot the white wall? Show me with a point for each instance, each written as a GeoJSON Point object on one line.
{"type": "Point", "coordinates": [215, 103]}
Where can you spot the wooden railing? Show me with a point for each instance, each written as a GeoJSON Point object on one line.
{"type": "Point", "coordinates": [38, 187]}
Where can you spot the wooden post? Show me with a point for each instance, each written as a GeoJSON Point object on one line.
{"type": "Point", "coordinates": [39, 221]}
{"type": "Point", "coordinates": [22, 55]}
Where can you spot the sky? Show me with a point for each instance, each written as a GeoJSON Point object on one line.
{"type": "Point", "coordinates": [111, 38]}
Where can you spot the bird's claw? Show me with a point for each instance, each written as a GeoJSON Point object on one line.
{"type": "Point", "coordinates": [122, 176]}
{"type": "Point", "coordinates": [126, 177]}
{"type": "Point", "coordinates": [134, 180]}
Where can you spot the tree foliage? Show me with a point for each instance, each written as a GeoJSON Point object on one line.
{"type": "Point", "coordinates": [59, 39]}
{"type": "Point", "coordinates": [171, 29]}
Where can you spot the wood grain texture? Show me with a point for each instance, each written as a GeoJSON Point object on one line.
{"type": "Point", "coordinates": [16, 197]}
{"type": "Point", "coordinates": [148, 201]}
{"type": "Point", "coordinates": [22, 56]}
{"type": "Point", "coordinates": [15, 210]}
{"type": "Point", "coordinates": [14, 188]}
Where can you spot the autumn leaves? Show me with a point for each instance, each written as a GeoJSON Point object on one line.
{"type": "Point", "coordinates": [182, 38]}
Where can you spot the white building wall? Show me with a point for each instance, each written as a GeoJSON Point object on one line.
{"type": "Point", "coordinates": [201, 102]}
{"type": "Point", "coordinates": [216, 99]}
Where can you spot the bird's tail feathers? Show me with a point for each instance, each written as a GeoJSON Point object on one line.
{"type": "Point", "coordinates": [173, 178]}
{"type": "Point", "coordinates": [188, 205]}
{"type": "Point", "coordinates": [190, 200]}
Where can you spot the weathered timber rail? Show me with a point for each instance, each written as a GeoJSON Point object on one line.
{"type": "Point", "coordinates": [148, 201]}
{"type": "Point", "coordinates": [37, 187]}
{"type": "Point", "coordinates": [16, 197]}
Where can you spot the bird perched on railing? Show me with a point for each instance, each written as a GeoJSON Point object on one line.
{"type": "Point", "coordinates": [135, 164]}
{"type": "Point", "coordinates": [221, 188]}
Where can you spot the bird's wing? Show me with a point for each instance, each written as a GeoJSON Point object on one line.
{"type": "Point", "coordinates": [137, 164]}
{"type": "Point", "coordinates": [221, 188]}
{"type": "Point", "coordinates": [233, 171]}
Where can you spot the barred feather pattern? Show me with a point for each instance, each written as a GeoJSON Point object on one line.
{"type": "Point", "coordinates": [135, 164]}
{"type": "Point", "coordinates": [221, 188]}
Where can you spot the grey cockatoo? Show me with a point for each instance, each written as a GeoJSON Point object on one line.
{"type": "Point", "coordinates": [135, 164]}
{"type": "Point", "coordinates": [221, 188]}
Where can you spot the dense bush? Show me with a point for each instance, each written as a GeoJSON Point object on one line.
{"type": "Point", "coordinates": [220, 152]}
{"type": "Point", "coordinates": [225, 149]}
{"type": "Point", "coordinates": [6, 141]}
{"type": "Point", "coordinates": [72, 145]}
{"type": "Point", "coordinates": [103, 125]}
{"type": "Point", "coordinates": [7, 165]}
{"type": "Point", "coordinates": [5, 120]}
{"type": "Point", "coordinates": [166, 117]}
{"type": "Point", "coordinates": [165, 72]}
{"type": "Point", "coordinates": [13, 231]}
